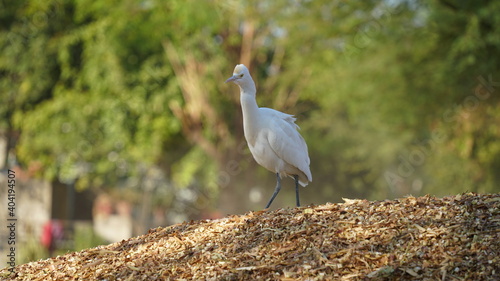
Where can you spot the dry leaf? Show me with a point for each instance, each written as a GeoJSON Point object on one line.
{"type": "Point", "coordinates": [413, 238]}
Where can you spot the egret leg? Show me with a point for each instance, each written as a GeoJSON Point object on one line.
{"type": "Point", "coordinates": [276, 190]}
{"type": "Point", "coordinates": [297, 189]}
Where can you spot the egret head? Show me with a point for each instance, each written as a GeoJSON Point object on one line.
{"type": "Point", "coordinates": [240, 75]}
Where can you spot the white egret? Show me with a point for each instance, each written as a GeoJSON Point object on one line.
{"type": "Point", "coordinates": [272, 136]}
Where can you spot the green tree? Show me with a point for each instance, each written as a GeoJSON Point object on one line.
{"type": "Point", "coordinates": [392, 97]}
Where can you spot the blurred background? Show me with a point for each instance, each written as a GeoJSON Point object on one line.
{"type": "Point", "coordinates": [116, 119]}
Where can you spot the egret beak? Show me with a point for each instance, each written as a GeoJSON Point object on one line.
{"type": "Point", "coordinates": [232, 78]}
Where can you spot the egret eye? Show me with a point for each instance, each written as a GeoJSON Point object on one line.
{"type": "Point", "coordinates": [241, 75]}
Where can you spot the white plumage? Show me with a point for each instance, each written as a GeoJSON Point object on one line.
{"type": "Point", "coordinates": [272, 136]}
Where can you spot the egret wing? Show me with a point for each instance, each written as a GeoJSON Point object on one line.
{"type": "Point", "coordinates": [287, 142]}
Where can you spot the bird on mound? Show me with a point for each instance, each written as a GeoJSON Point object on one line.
{"type": "Point", "coordinates": [272, 136]}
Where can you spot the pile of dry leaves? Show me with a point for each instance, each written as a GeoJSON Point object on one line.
{"type": "Point", "coordinates": [424, 238]}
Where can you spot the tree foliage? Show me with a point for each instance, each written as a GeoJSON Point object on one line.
{"type": "Point", "coordinates": [392, 97]}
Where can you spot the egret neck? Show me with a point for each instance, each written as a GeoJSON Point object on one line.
{"type": "Point", "coordinates": [250, 109]}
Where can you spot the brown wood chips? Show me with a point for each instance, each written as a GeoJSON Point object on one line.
{"type": "Point", "coordinates": [424, 238]}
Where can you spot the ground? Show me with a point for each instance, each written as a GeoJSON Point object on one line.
{"type": "Point", "coordinates": [423, 238]}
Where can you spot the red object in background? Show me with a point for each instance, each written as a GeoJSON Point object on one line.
{"type": "Point", "coordinates": [52, 232]}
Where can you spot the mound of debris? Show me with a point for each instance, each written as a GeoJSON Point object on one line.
{"type": "Point", "coordinates": [424, 238]}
